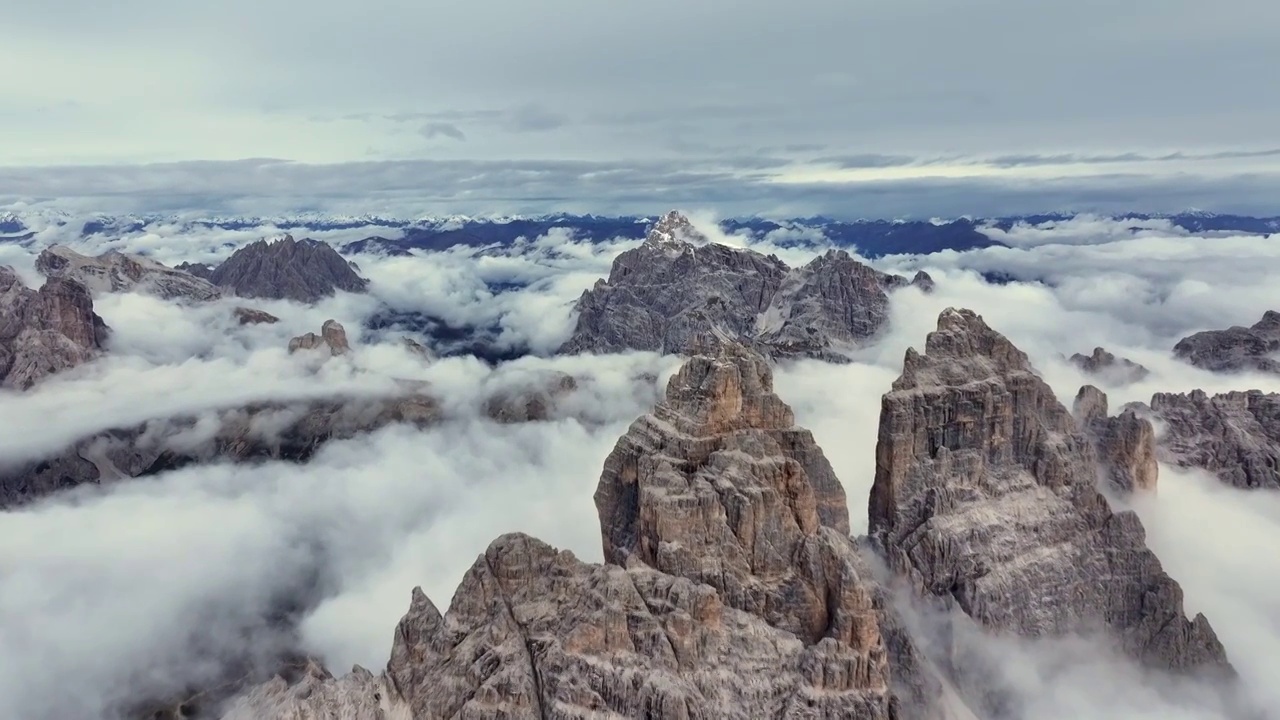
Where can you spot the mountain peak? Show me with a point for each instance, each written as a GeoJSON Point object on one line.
{"type": "Point", "coordinates": [304, 270]}
{"type": "Point", "coordinates": [673, 230]}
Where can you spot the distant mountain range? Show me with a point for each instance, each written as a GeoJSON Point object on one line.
{"type": "Point", "coordinates": [871, 238]}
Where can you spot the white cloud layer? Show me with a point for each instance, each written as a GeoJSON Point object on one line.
{"type": "Point", "coordinates": [141, 585]}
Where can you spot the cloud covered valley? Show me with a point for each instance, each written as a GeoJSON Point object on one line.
{"type": "Point", "coordinates": [121, 596]}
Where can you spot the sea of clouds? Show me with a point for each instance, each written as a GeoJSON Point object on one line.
{"type": "Point", "coordinates": [147, 586]}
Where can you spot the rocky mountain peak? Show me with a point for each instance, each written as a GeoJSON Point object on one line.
{"type": "Point", "coordinates": [670, 295]}
{"type": "Point", "coordinates": [986, 494]}
{"type": "Point", "coordinates": [1237, 348]}
{"type": "Point", "coordinates": [963, 349]}
{"type": "Point", "coordinates": [45, 331]}
{"type": "Point", "coordinates": [1107, 366]}
{"type": "Point", "coordinates": [303, 270]}
{"type": "Point", "coordinates": [114, 271]}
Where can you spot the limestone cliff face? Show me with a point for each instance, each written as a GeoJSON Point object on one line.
{"type": "Point", "coordinates": [986, 499]}
{"type": "Point", "coordinates": [43, 332]}
{"type": "Point", "coordinates": [677, 291]}
{"type": "Point", "coordinates": [1126, 444]}
{"type": "Point", "coordinates": [732, 589]}
{"type": "Point", "coordinates": [115, 271]}
{"type": "Point", "coordinates": [1235, 435]}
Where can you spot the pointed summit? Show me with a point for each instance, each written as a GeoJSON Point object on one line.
{"type": "Point", "coordinates": [674, 230]}
{"type": "Point", "coordinates": [303, 270]}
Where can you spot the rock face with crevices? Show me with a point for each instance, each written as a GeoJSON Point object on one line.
{"type": "Point", "coordinates": [677, 291]}
{"type": "Point", "coordinates": [732, 589]}
{"type": "Point", "coordinates": [985, 499]}
{"type": "Point", "coordinates": [1235, 435]}
{"type": "Point", "coordinates": [114, 271]}
{"type": "Point", "coordinates": [45, 331]}
{"type": "Point", "coordinates": [287, 269]}
{"type": "Point", "coordinates": [1126, 443]}
{"type": "Point", "coordinates": [1237, 348]}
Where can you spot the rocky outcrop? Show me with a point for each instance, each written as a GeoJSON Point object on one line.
{"type": "Point", "coordinates": [985, 499]}
{"type": "Point", "coordinates": [719, 486]}
{"type": "Point", "coordinates": [1109, 368]}
{"type": "Point", "coordinates": [200, 270]}
{"type": "Point", "coordinates": [46, 331]}
{"type": "Point", "coordinates": [287, 269]}
{"type": "Point", "coordinates": [732, 589]}
{"type": "Point", "coordinates": [1126, 444]}
{"type": "Point", "coordinates": [318, 695]}
{"type": "Point", "coordinates": [115, 271]}
{"type": "Point", "coordinates": [332, 337]}
{"type": "Point", "coordinates": [251, 316]}
{"type": "Point", "coordinates": [534, 402]}
{"type": "Point", "coordinates": [290, 431]}
{"type": "Point", "coordinates": [1237, 348]}
{"type": "Point", "coordinates": [676, 291]}
{"type": "Point", "coordinates": [417, 348]}
{"type": "Point", "coordinates": [1234, 435]}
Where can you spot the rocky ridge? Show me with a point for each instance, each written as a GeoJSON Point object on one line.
{"type": "Point", "coordinates": [45, 331]}
{"type": "Point", "coordinates": [1237, 348]}
{"type": "Point", "coordinates": [291, 431]}
{"type": "Point", "coordinates": [1235, 435]}
{"type": "Point", "coordinates": [302, 270]}
{"type": "Point", "coordinates": [1108, 367]}
{"type": "Point", "coordinates": [115, 271]}
{"type": "Point", "coordinates": [985, 497]}
{"type": "Point", "coordinates": [677, 291]}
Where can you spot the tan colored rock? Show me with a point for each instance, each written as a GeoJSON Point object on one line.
{"type": "Point", "coordinates": [332, 336]}
{"type": "Point", "coordinates": [1126, 444]}
{"type": "Point", "coordinates": [115, 271]}
{"type": "Point", "coordinates": [768, 612]}
{"type": "Point", "coordinates": [986, 499]}
{"type": "Point", "coordinates": [535, 633]}
{"type": "Point", "coordinates": [46, 331]}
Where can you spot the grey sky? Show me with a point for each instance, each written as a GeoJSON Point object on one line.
{"type": "Point", "coordinates": [814, 89]}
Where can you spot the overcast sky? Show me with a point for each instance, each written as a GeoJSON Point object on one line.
{"type": "Point", "coordinates": [762, 93]}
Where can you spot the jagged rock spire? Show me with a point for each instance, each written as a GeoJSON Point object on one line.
{"type": "Point", "coordinates": [986, 496]}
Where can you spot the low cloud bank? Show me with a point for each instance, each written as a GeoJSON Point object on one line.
{"type": "Point", "coordinates": [143, 586]}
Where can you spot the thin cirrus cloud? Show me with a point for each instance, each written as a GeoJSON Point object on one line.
{"type": "Point", "coordinates": [731, 185]}
{"type": "Point", "coordinates": [922, 79]}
